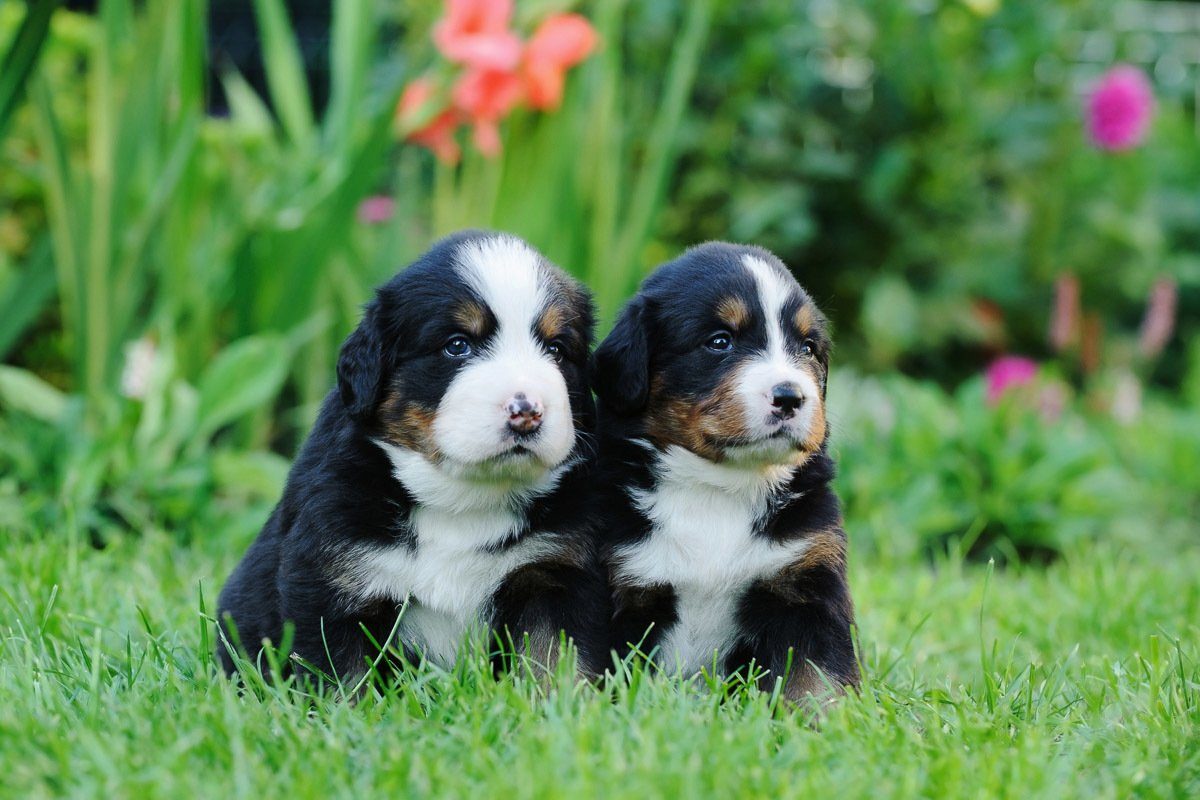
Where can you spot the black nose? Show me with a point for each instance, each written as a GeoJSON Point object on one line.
{"type": "Point", "coordinates": [786, 398]}
{"type": "Point", "coordinates": [524, 414]}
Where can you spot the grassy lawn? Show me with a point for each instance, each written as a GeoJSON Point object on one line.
{"type": "Point", "coordinates": [1082, 679]}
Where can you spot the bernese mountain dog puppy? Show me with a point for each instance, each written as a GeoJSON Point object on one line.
{"type": "Point", "coordinates": [724, 540]}
{"type": "Point", "coordinates": [438, 493]}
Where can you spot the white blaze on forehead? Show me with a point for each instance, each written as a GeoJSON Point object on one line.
{"type": "Point", "coordinates": [510, 278]}
{"type": "Point", "coordinates": [773, 292]}
{"type": "Point", "coordinates": [470, 427]}
{"type": "Point", "coordinates": [774, 365]}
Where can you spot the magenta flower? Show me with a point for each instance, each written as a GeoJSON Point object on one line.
{"type": "Point", "coordinates": [1119, 108]}
{"type": "Point", "coordinates": [376, 209]}
{"type": "Point", "coordinates": [1008, 372]}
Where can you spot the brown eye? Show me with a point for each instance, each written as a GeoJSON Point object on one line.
{"type": "Point", "coordinates": [555, 349]}
{"type": "Point", "coordinates": [720, 342]}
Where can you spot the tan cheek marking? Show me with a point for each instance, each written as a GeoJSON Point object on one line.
{"type": "Point", "coordinates": [698, 425]}
{"type": "Point", "coordinates": [408, 425]}
{"type": "Point", "coordinates": [673, 421]}
{"type": "Point", "coordinates": [816, 431]}
{"type": "Point", "coordinates": [733, 312]}
{"type": "Point", "coordinates": [472, 318]}
{"type": "Point", "coordinates": [721, 414]}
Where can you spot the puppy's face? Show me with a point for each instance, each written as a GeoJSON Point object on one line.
{"type": "Point", "coordinates": [474, 357]}
{"type": "Point", "coordinates": [722, 353]}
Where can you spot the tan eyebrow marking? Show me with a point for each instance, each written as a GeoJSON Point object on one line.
{"type": "Point", "coordinates": [552, 321]}
{"type": "Point", "coordinates": [805, 319]}
{"type": "Point", "coordinates": [733, 312]}
{"type": "Point", "coordinates": [472, 317]}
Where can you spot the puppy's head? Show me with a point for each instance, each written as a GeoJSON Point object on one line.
{"type": "Point", "coordinates": [475, 358]}
{"type": "Point", "coordinates": [721, 352]}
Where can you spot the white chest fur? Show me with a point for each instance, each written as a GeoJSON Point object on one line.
{"type": "Point", "coordinates": [703, 543]}
{"type": "Point", "coordinates": [450, 574]}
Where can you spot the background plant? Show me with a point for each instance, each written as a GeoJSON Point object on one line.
{"type": "Point", "coordinates": [173, 215]}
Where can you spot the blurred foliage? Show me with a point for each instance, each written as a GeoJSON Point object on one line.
{"type": "Point", "coordinates": [912, 159]}
{"type": "Point", "coordinates": [923, 471]}
{"type": "Point", "coordinates": [174, 284]}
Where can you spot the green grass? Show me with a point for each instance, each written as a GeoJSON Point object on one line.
{"type": "Point", "coordinates": [1081, 679]}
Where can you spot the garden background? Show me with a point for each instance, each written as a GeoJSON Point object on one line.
{"type": "Point", "coordinates": [997, 202]}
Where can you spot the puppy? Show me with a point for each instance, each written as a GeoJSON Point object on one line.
{"type": "Point", "coordinates": [441, 477]}
{"type": "Point", "coordinates": [724, 537]}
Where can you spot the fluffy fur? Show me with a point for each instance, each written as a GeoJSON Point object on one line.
{"type": "Point", "coordinates": [441, 478]}
{"type": "Point", "coordinates": [724, 540]}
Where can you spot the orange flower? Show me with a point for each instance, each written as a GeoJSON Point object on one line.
{"type": "Point", "coordinates": [559, 43]}
{"type": "Point", "coordinates": [475, 33]}
{"type": "Point", "coordinates": [418, 121]}
{"type": "Point", "coordinates": [485, 96]}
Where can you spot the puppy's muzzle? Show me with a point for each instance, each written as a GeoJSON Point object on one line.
{"type": "Point", "coordinates": [524, 414]}
{"type": "Point", "coordinates": [785, 400]}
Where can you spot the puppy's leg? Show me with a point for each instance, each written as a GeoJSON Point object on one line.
{"type": "Point", "coordinates": [248, 607]}
{"type": "Point", "coordinates": [540, 601]}
{"type": "Point", "coordinates": [798, 626]}
{"type": "Point", "coordinates": [640, 617]}
{"type": "Point", "coordinates": [337, 637]}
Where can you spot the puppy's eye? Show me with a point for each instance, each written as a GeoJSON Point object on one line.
{"type": "Point", "coordinates": [457, 346]}
{"type": "Point", "coordinates": [555, 349]}
{"type": "Point", "coordinates": [720, 342]}
{"type": "Point", "coordinates": [808, 348]}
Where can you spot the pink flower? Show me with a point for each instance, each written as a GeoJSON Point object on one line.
{"type": "Point", "coordinates": [1008, 372]}
{"type": "Point", "coordinates": [421, 121]}
{"type": "Point", "coordinates": [475, 33]}
{"type": "Point", "coordinates": [498, 72]}
{"type": "Point", "coordinates": [486, 96]}
{"type": "Point", "coordinates": [1119, 108]}
{"type": "Point", "coordinates": [376, 209]}
{"type": "Point", "coordinates": [559, 43]}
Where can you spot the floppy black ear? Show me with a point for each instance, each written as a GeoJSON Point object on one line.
{"type": "Point", "coordinates": [621, 364]}
{"type": "Point", "coordinates": [360, 367]}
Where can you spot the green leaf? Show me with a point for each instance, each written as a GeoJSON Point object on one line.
{"type": "Point", "coordinates": [245, 106]}
{"type": "Point", "coordinates": [244, 377]}
{"type": "Point", "coordinates": [25, 294]}
{"type": "Point", "coordinates": [350, 50]}
{"type": "Point", "coordinates": [285, 71]}
{"type": "Point", "coordinates": [22, 56]}
{"type": "Point", "coordinates": [891, 319]}
{"type": "Point", "coordinates": [256, 473]}
{"type": "Point", "coordinates": [21, 390]}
